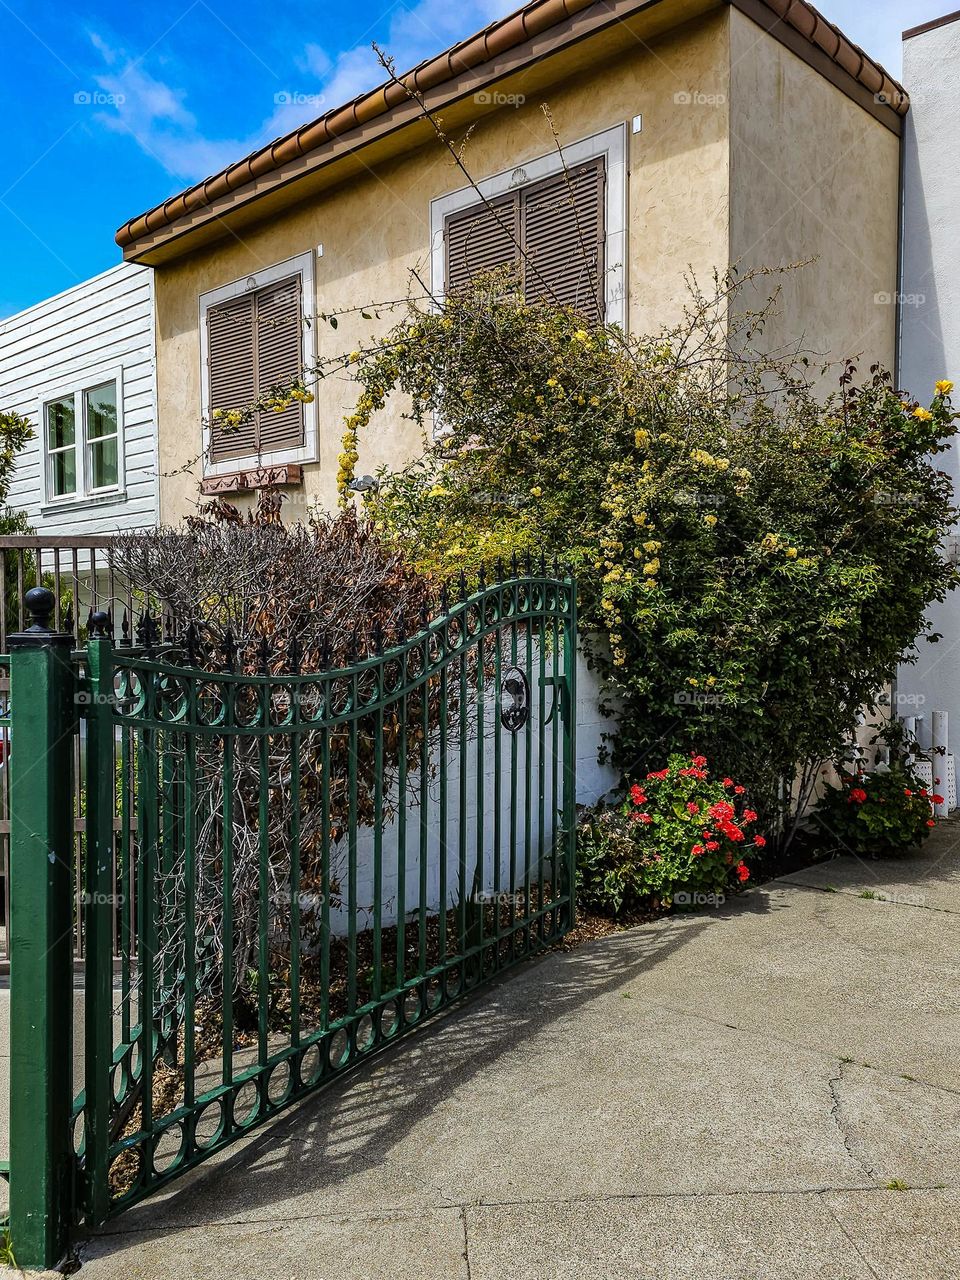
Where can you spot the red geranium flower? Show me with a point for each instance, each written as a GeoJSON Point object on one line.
{"type": "Point", "coordinates": [938, 799]}
{"type": "Point", "coordinates": [738, 791]}
{"type": "Point", "coordinates": [644, 818]}
{"type": "Point", "coordinates": [662, 774]}
{"type": "Point", "coordinates": [721, 811]}
{"type": "Point", "coordinates": [699, 761]}
{"type": "Point", "coordinates": [907, 791]}
{"type": "Point", "coordinates": [693, 807]}
{"type": "Point", "coordinates": [931, 823]}
{"type": "Point", "coordinates": [728, 782]}
{"type": "Point", "coordinates": [924, 792]}
{"type": "Point", "coordinates": [743, 872]}
{"type": "Point", "coordinates": [712, 846]}
{"type": "Point", "coordinates": [749, 815]}
{"type": "Point", "coordinates": [636, 795]}
{"type": "Point", "coordinates": [759, 841]}
{"type": "Point", "coordinates": [697, 850]}
{"type": "Point", "coordinates": [857, 796]}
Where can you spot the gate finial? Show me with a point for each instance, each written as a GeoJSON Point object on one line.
{"type": "Point", "coordinates": [39, 602]}
{"type": "Point", "coordinates": [98, 625]}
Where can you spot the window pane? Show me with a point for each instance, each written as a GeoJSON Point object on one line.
{"type": "Point", "coordinates": [100, 410]}
{"type": "Point", "coordinates": [60, 423]}
{"type": "Point", "coordinates": [64, 468]}
{"type": "Point", "coordinates": [103, 463]}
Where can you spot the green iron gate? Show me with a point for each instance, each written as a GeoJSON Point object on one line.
{"type": "Point", "coordinates": [286, 870]}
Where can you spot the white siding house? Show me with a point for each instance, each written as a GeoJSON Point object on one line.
{"type": "Point", "coordinates": [81, 366]}
{"type": "Point", "coordinates": [930, 320]}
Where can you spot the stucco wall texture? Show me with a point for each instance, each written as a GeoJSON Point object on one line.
{"type": "Point", "coordinates": [745, 152]}
{"type": "Point", "coordinates": [814, 178]}
{"type": "Point", "coordinates": [376, 230]}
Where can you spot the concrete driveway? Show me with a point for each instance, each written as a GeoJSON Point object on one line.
{"type": "Point", "coordinates": [770, 1090]}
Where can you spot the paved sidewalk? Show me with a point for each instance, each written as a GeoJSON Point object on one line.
{"type": "Point", "coordinates": [724, 1096]}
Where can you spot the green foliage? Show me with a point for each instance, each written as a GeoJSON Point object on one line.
{"type": "Point", "coordinates": [752, 560]}
{"type": "Point", "coordinates": [15, 432]}
{"type": "Point", "coordinates": [7, 1258]}
{"type": "Point", "coordinates": [678, 838]}
{"type": "Point", "coordinates": [885, 814]}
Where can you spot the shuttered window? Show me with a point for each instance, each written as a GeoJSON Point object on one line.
{"type": "Point", "coordinates": [482, 238]}
{"type": "Point", "coordinates": [559, 226]}
{"type": "Point", "coordinates": [254, 343]}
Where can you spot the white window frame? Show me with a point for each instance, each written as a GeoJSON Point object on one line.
{"type": "Point", "coordinates": [611, 144]}
{"type": "Point", "coordinates": [301, 265]}
{"type": "Point", "coordinates": [88, 443]}
{"type": "Point", "coordinates": [76, 390]}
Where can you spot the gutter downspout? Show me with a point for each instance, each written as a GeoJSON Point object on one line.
{"type": "Point", "coordinates": [898, 313]}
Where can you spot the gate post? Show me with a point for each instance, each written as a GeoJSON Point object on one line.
{"type": "Point", "coordinates": [41, 943]}
{"type": "Point", "coordinates": [570, 645]}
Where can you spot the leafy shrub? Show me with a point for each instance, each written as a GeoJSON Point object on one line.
{"type": "Point", "coordinates": [753, 558]}
{"type": "Point", "coordinates": [679, 837]}
{"type": "Point", "coordinates": [885, 813]}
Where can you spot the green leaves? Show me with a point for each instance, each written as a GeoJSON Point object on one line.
{"type": "Point", "coordinates": [880, 814]}
{"type": "Point", "coordinates": [753, 559]}
{"type": "Point", "coordinates": [15, 432]}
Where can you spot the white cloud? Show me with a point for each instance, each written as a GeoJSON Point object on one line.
{"type": "Point", "coordinates": [156, 115]}
{"type": "Point", "coordinates": [315, 61]}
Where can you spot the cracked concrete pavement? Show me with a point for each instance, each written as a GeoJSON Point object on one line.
{"type": "Point", "coordinates": [770, 1090]}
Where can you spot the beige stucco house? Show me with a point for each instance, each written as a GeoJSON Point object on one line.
{"type": "Point", "coordinates": [700, 133]}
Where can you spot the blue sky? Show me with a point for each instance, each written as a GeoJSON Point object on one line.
{"type": "Point", "coordinates": [116, 106]}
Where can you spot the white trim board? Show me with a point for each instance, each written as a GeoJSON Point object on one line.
{"type": "Point", "coordinates": [302, 265]}
{"type": "Point", "coordinates": [93, 376]}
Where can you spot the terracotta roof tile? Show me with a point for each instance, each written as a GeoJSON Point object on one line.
{"type": "Point", "coordinates": [498, 38]}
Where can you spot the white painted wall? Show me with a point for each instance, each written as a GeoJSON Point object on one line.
{"type": "Point", "coordinates": [75, 340]}
{"type": "Point", "coordinates": [593, 780]}
{"type": "Point", "coordinates": [930, 317]}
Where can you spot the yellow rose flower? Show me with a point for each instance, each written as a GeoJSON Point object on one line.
{"type": "Point", "coordinates": [536, 491]}
{"type": "Point", "coordinates": [921, 414]}
{"type": "Point", "coordinates": [791, 553]}
{"type": "Point", "coordinates": [944, 387]}
{"type": "Point", "coordinates": [710, 520]}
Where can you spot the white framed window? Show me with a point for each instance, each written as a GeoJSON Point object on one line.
{"type": "Point", "coordinates": [82, 430]}
{"type": "Point", "coordinates": [532, 202]}
{"type": "Point", "coordinates": [255, 333]}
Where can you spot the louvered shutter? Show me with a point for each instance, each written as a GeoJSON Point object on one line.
{"type": "Point", "coordinates": [563, 240]}
{"type": "Point", "coordinates": [279, 360]}
{"type": "Point", "coordinates": [480, 239]}
{"type": "Point", "coordinates": [231, 365]}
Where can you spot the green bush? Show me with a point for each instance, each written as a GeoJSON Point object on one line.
{"type": "Point", "coordinates": [753, 558]}
{"type": "Point", "coordinates": [886, 814]}
{"type": "Point", "coordinates": [678, 838]}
